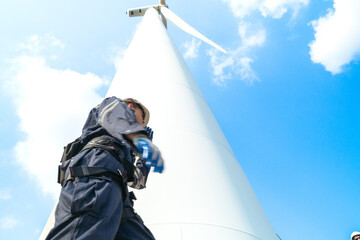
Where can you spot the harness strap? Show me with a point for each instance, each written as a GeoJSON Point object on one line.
{"type": "Point", "coordinates": [106, 144]}
{"type": "Point", "coordinates": [85, 171]}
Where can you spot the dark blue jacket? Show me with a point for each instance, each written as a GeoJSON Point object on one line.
{"type": "Point", "coordinates": [114, 119]}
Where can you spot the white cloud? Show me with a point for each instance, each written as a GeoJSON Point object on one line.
{"type": "Point", "coordinates": [52, 106]}
{"type": "Point", "coordinates": [337, 36]}
{"type": "Point", "coordinates": [5, 195]}
{"type": "Point", "coordinates": [277, 8]}
{"type": "Point", "coordinates": [251, 35]}
{"type": "Point", "coordinates": [242, 8]}
{"type": "Point", "coordinates": [236, 64]}
{"type": "Point", "coordinates": [220, 65]}
{"type": "Point", "coordinates": [238, 61]}
{"type": "Point", "coordinates": [192, 48]}
{"type": "Point", "coordinates": [48, 46]}
{"type": "Point", "coordinates": [8, 222]}
{"type": "Point", "coordinates": [268, 8]}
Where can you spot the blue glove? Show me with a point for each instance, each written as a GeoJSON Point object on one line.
{"type": "Point", "coordinates": [149, 132]}
{"type": "Point", "coordinates": [150, 153]}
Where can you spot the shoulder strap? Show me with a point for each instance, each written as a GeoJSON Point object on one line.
{"type": "Point", "coordinates": [108, 145]}
{"type": "Point", "coordinates": [71, 149]}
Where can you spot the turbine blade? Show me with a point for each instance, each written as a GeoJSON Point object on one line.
{"type": "Point", "coordinates": [187, 28]}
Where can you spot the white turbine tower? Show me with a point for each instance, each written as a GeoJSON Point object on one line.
{"type": "Point", "coordinates": [203, 192]}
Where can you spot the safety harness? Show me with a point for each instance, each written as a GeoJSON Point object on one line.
{"type": "Point", "coordinates": [103, 142]}
{"type": "Point", "coordinates": [77, 146]}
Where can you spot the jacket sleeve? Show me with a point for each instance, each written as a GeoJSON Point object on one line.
{"type": "Point", "coordinates": [117, 118]}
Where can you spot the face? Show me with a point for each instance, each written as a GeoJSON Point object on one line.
{"type": "Point", "coordinates": [357, 237]}
{"type": "Point", "coordinates": [138, 115]}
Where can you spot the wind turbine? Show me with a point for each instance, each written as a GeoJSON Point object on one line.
{"type": "Point", "coordinates": [166, 13]}
{"type": "Point", "coordinates": [203, 192]}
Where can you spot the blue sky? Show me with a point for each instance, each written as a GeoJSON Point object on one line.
{"type": "Point", "coordinates": [286, 97]}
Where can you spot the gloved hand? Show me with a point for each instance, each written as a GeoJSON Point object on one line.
{"type": "Point", "coordinates": [149, 132]}
{"type": "Point", "coordinates": [150, 153]}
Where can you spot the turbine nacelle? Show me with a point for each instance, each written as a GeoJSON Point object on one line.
{"type": "Point", "coordinates": [167, 14]}
{"type": "Point", "coordinates": [139, 12]}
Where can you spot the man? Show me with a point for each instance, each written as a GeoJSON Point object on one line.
{"type": "Point", "coordinates": [94, 202]}
{"type": "Point", "coordinates": [355, 236]}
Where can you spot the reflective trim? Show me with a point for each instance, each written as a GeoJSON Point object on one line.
{"type": "Point", "coordinates": [107, 109]}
